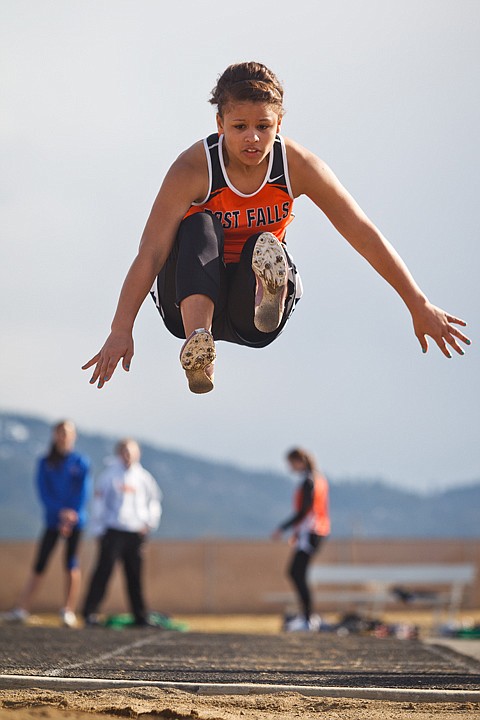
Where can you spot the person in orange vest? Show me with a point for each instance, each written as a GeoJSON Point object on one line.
{"type": "Point", "coordinates": [213, 253]}
{"type": "Point", "coordinates": [311, 525]}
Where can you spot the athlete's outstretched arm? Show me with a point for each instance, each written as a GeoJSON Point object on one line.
{"type": "Point", "coordinates": [183, 184]}
{"type": "Point", "coordinates": [312, 177]}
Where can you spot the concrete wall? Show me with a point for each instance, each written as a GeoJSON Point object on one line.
{"type": "Point", "coordinates": [222, 576]}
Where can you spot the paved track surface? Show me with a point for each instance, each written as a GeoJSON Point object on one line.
{"type": "Point", "coordinates": [294, 659]}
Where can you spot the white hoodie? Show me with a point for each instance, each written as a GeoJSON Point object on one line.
{"type": "Point", "coordinates": [126, 499]}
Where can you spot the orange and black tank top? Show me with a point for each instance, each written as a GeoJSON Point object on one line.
{"type": "Point", "coordinates": [317, 519]}
{"type": "Point", "coordinates": [267, 209]}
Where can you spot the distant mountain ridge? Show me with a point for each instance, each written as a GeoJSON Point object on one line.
{"type": "Point", "coordinates": [204, 498]}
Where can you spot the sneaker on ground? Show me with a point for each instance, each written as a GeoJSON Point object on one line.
{"type": "Point", "coordinates": [17, 615]}
{"type": "Point", "coordinates": [68, 618]}
{"type": "Point", "coordinates": [197, 357]}
{"type": "Point", "coordinates": [300, 624]}
{"type": "Point", "coordinates": [93, 621]}
{"type": "Point", "coordinates": [315, 622]}
{"type": "Point", "coordinates": [146, 623]}
{"type": "Point", "coordinates": [269, 263]}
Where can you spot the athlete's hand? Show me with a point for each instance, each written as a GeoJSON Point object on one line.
{"type": "Point", "coordinates": [117, 346]}
{"type": "Point", "coordinates": [68, 520]}
{"type": "Point", "coordinates": [440, 326]}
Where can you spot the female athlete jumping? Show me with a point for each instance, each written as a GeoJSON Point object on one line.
{"type": "Point", "coordinates": [213, 251]}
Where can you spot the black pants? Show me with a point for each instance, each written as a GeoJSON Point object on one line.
{"type": "Point", "coordinates": [196, 266]}
{"type": "Point", "coordinates": [48, 542]}
{"type": "Point", "coordinates": [297, 572]}
{"type": "Point", "coordinates": [125, 546]}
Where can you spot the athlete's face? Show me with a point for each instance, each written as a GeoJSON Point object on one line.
{"type": "Point", "coordinates": [249, 131]}
{"type": "Point", "coordinates": [297, 465]}
{"type": "Point", "coordinates": [129, 453]}
{"type": "Point", "coordinates": [64, 437]}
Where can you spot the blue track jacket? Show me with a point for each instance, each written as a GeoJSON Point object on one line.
{"type": "Point", "coordinates": [66, 485]}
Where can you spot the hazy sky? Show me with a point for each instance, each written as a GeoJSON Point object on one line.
{"type": "Point", "coordinates": [99, 97]}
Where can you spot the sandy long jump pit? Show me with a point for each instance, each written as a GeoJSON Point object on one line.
{"type": "Point", "coordinates": [153, 673]}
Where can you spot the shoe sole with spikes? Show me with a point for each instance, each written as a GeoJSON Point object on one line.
{"type": "Point", "coordinates": [198, 352]}
{"type": "Point", "coordinates": [269, 264]}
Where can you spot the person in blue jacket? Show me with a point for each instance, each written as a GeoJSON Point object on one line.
{"type": "Point", "coordinates": [63, 485]}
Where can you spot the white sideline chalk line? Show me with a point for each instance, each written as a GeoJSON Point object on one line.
{"type": "Point", "coordinates": [98, 658]}
{"type": "Point", "coordinates": [373, 693]}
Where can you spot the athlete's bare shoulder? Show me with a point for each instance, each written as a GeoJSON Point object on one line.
{"type": "Point", "coordinates": [297, 153]}
{"type": "Point", "coordinates": [193, 156]}
{"type": "Point", "coordinates": [191, 168]}
{"type": "Point", "coordinates": [306, 169]}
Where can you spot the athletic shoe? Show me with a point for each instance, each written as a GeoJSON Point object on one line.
{"type": "Point", "coordinates": [93, 621]}
{"type": "Point", "coordinates": [17, 615]}
{"type": "Point", "coordinates": [315, 622]}
{"type": "Point", "coordinates": [301, 624]}
{"type": "Point", "coordinates": [68, 618]}
{"type": "Point", "coordinates": [197, 357]}
{"type": "Point", "coordinates": [145, 623]}
{"type": "Point", "coordinates": [269, 263]}
{"type": "Point", "coordinates": [296, 624]}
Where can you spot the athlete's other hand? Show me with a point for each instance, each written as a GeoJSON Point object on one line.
{"type": "Point", "coordinates": [68, 519]}
{"type": "Point", "coordinates": [440, 326]}
{"type": "Point", "coordinates": [118, 345]}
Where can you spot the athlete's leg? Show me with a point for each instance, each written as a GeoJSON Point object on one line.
{"type": "Point", "coordinates": [195, 274]}
{"type": "Point", "coordinates": [298, 574]}
{"type": "Point", "coordinates": [245, 294]}
{"type": "Point", "coordinates": [111, 547]}
{"type": "Point", "coordinates": [307, 546]}
{"type": "Point", "coordinates": [72, 571]}
{"type": "Point", "coordinates": [45, 547]}
{"type": "Point", "coordinates": [47, 543]}
{"type": "Point", "coordinates": [197, 312]}
{"type": "Point", "coordinates": [132, 562]}
{"type": "Point", "coordinates": [190, 291]}
{"type": "Point", "coordinates": [192, 284]}
{"type": "Point", "coordinates": [195, 291]}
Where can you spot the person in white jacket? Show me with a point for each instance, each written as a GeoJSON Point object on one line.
{"type": "Point", "coordinates": [126, 507]}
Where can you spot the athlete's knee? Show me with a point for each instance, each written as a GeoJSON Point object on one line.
{"type": "Point", "coordinates": [200, 225]}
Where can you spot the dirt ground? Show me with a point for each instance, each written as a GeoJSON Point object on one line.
{"type": "Point", "coordinates": [152, 703]}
